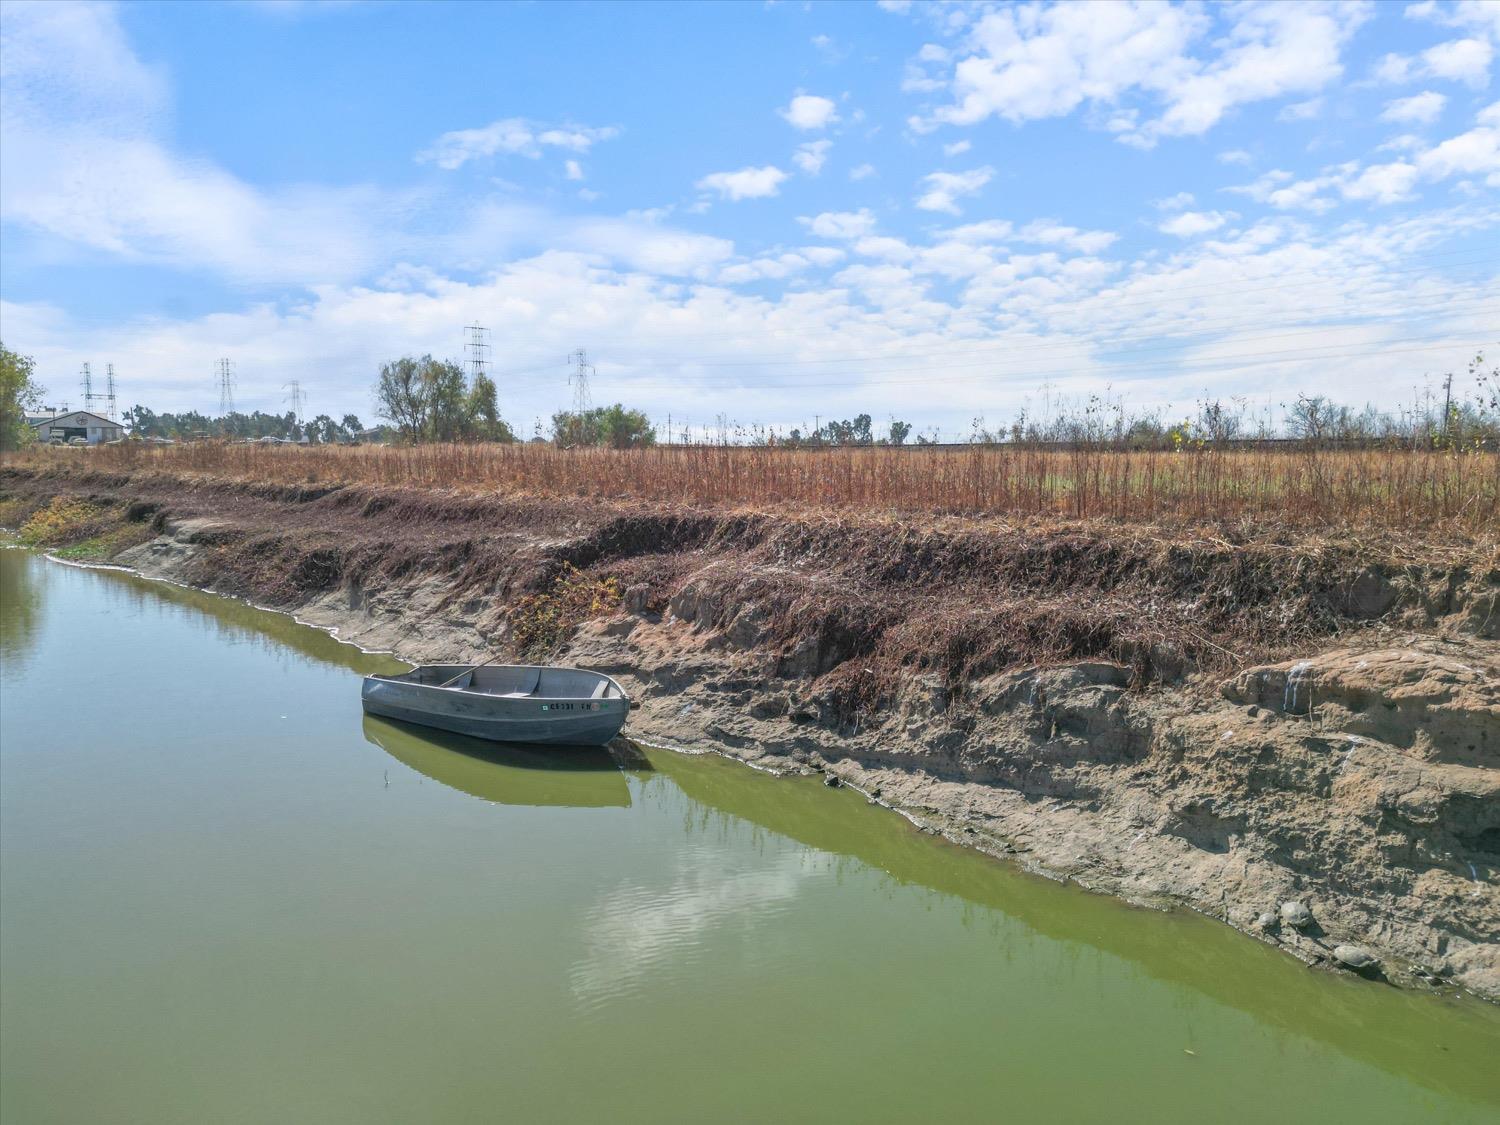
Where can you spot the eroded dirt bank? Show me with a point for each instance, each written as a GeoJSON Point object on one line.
{"type": "Point", "coordinates": [1239, 724]}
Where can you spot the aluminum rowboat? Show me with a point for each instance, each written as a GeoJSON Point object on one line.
{"type": "Point", "coordinates": [504, 703]}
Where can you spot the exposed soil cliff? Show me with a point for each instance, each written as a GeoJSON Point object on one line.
{"type": "Point", "coordinates": [1247, 725]}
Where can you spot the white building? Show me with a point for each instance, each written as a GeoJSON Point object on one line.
{"type": "Point", "coordinates": [75, 424]}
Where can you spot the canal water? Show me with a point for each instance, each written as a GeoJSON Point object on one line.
{"type": "Point", "coordinates": [225, 895]}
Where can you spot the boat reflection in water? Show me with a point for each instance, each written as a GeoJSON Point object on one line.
{"type": "Point", "coordinates": [583, 777]}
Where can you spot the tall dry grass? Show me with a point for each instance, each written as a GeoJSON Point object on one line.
{"type": "Point", "coordinates": [1400, 490]}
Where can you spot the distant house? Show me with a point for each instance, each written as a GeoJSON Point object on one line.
{"type": "Point", "coordinates": [76, 424]}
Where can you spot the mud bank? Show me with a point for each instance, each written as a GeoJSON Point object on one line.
{"type": "Point", "coordinates": [1302, 739]}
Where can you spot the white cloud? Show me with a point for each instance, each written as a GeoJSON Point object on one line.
{"type": "Point", "coordinates": [1473, 153]}
{"type": "Point", "coordinates": [1301, 111]}
{"type": "Point", "coordinates": [1458, 60]}
{"type": "Point", "coordinates": [747, 183]}
{"type": "Point", "coordinates": [943, 189]}
{"type": "Point", "coordinates": [1422, 109]}
{"type": "Point", "coordinates": [1381, 183]}
{"type": "Point", "coordinates": [1035, 62]}
{"type": "Point", "coordinates": [990, 230]}
{"type": "Point", "coordinates": [862, 172]}
{"type": "Point", "coordinates": [1175, 202]}
{"type": "Point", "coordinates": [1234, 156]}
{"type": "Point", "coordinates": [511, 136]}
{"type": "Point", "coordinates": [1192, 223]}
{"type": "Point", "coordinates": [841, 224]}
{"type": "Point", "coordinates": [883, 246]}
{"type": "Point", "coordinates": [82, 163]}
{"type": "Point", "coordinates": [1462, 60]}
{"type": "Point", "coordinates": [812, 156]}
{"type": "Point", "coordinates": [573, 170]}
{"type": "Point", "coordinates": [764, 269]}
{"type": "Point", "coordinates": [822, 255]}
{"type": "Point", "coordinates": [957, 148]}
{"type": "Point", "coordinates": [1050, 233]}
{"type": "Point", "coordinates": [809, 111]}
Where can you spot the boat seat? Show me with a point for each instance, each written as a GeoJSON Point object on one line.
{"type": "Point", "coordinates": [600, 690]}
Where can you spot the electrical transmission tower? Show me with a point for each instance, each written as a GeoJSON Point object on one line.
{"type": "Point", "coordinates": [88, 388]}
{"type": "Point", "coordinates": [579, 377]}
{"type": "Point", "coordinates": [224, 376]}
{"type": "Point", "coordinates": [477, 344]}
{"type": "Point", "coordinates": [109, 391]}
{"type": "Point", "coordinates": [294, 396]}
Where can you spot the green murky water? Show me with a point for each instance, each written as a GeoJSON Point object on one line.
{"type": "Point", "coordinates": [227, 896]}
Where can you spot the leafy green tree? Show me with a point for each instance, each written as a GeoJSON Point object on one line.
{"type": "Point", "coordinates": [446, 400]}
{"type": "Point", "coordinates": [19, 393]}
{"type": "Point", "coordinates": [399, 396]}
{"type": "Point", "coordinates": [485, 422]}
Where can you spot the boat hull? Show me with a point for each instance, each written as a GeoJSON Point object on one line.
{"type": "Point", "coordinates": [543, 721]}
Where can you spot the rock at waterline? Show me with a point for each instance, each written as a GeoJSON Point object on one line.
{"type": "Point", "coordinates": [1266, 920]}
{"type": "Point", "coordinates": [831, 780]}
{"type": "Point", "coordinates": [1354, 957]}
{"type": "Point", "coordinates": [1296, 914]}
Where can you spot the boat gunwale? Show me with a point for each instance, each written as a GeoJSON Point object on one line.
{"type": "Point", "coordinates": [401, 679]}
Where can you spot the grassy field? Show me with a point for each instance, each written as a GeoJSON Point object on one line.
{"type": "Point", "coordinates": [1396, 490]}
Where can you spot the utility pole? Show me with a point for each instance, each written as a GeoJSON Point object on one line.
{"type": "Point", "coordinates": [109, 391]}
{"type": "Point", "coordinates": [1447, 403]}
{"type": "Point", "coordinates": [225, 379]}
{"type": "Point", "coordinates": [580, 380]}
{"type": "Point", "coordinates": [478, 346]}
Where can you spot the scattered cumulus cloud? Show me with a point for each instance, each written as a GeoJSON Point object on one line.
{"type": "Point", "coordinates": [957, 148]}
{"type": "Point", "coordinates": [809, 111]}
{"type": "Point", "coordinates": [1419, 109]}
{"type": "Point", "coordinates": [944, 189]}
{"type": "Point", "coordinates": [1301, 111]}
{"type": "Point", "coordinates": [573, 170]}
{"type": "Point", "coordinates": [511, 136]}
{"type": "Point", "coordinates": [1029, 63]}
{"type": "Point", "coordinates": [862, 172]}
{"type": "Point", "coordinates": [812, 156]}
{"type": "Point", "coordinates": [1192, 223]}
{"type": "Point", "coordinates": [840, 224]}
{"type": "Point", "coordinates": [747, 183]}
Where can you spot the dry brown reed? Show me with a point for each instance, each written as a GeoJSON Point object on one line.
{"type": "Point", "coordinates": [1310, 488]}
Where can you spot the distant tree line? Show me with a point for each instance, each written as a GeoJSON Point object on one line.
{"type": "Point", "coordinates": [144, 422]}
{"type": "Point", "coordinates": [858, 431]}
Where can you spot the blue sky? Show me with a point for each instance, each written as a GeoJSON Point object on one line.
{"type": "Point", "coordinates": [771, 212]}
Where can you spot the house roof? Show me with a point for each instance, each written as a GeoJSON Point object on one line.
{"type": "Point", "coordinates": [40, 419]}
